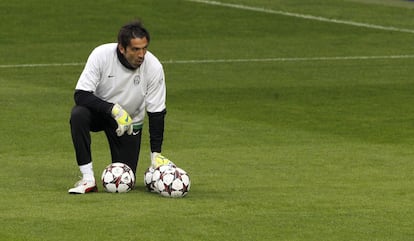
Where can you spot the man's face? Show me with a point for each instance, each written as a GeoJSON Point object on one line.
{"type": "Point", "coordinates": [134, 53]}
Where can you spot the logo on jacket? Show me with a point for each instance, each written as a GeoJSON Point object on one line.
{"type": "Point", "coordinates": [136, 80]}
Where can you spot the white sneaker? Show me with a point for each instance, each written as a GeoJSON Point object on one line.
{"type": "Point", "coordinates": [84, 186]}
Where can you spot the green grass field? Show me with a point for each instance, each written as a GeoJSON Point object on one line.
{"type": "Point", "coordinates": [294, 126]}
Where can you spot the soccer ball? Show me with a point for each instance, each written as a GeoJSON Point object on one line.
{"type": "Point", "coordinates": [152, 174]}
{"type": "Point", "coordinates": [118, 177]}
{"type": "Point", "coordinates": [173, 181]}
{"type": "Point", "coordinates": [150, 178]}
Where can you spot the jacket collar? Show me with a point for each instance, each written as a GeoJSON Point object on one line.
{"type": "Point", "coordinates": [123, 60]}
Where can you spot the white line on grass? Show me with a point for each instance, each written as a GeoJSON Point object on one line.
{"type": "Point", "coordinates": [303, 16]}
{"type": "Point", "coordinates": [212, 61]}
{"type": "Point", "coordinates": [39, 65]}
{"type": "Point", "coordinates": [297, 59]}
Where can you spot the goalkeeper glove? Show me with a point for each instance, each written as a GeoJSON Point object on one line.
{"type": "Point", "coordinates": [123, 120]}
{"type": "Point", "coordinates": [158, 160]}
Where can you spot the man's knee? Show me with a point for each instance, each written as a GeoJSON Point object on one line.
{"type": "Point", "coordinates": [80, 115]}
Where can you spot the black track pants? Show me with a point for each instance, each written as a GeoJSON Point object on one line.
{"type": "Point", "coordinates": [124, 149]}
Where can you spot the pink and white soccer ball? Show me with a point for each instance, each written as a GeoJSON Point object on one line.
{"type": "Point", "coordinates": [118, 177]}
{"type": "Point", "coordinates": [173, 181]}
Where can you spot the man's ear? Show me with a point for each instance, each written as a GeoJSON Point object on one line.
{"type": "Point", "coordinates": [121, 49]}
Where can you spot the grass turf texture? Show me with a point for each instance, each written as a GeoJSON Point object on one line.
{"type": "Point", "coordinates": [295, 150]}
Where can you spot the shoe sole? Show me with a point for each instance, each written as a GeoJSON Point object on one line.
{"type": "Point", "coordinates": [91, 189]}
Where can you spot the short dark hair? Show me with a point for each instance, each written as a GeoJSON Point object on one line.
{"type": "Point", "coordinates": [131, 30]}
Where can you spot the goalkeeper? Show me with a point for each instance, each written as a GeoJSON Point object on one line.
{"type": "Point", "coordinates": [118, 85]}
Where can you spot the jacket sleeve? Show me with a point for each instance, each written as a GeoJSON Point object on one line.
{"type": "Point", "coordinates": [89, 100]}
{"type": "Point", "coordinates": [156, 129]}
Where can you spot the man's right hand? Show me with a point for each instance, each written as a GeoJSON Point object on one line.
{"type": "Point", "coordinates": [123, 120]}
{"type": "Point", "coordinates": [158, 160]}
